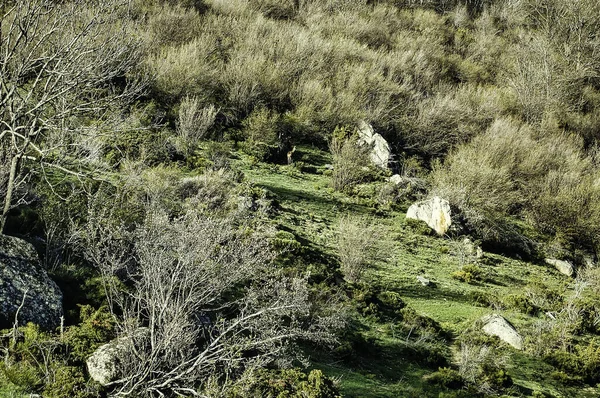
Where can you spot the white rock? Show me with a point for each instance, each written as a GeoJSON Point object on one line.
{"type": "Point", "coordinates": [435, 212]}
{"type": "Point", "coordinates": [564, 267]}
{"type": "Point", "coordinates": [424, 281]}
{"type": "Point", "coordinates": [497, 325]}
{"type": "Point", "coordinates": [396, 179]}
{"type": "Point", "coordinates": [380, 152]}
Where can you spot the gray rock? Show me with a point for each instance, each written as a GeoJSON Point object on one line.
{"type": "Point", "coordinates": [424, 281]}
{"type": "Point", "coordinates": [435, 212]}
{"type": "Point", "coordinates": [380, 149]}
{"type": "Point", "coordinates": [104, 364]}
{"type": "Point", "coordinates": [497, 325]}
{"type": "Point", "coordinates": [24, 281]}
{"type": "Point", "coordinates": [564, 267]}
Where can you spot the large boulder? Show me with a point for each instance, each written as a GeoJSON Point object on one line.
{"type": "Point", "coordinates": [380, 149]}
{"type": "Point", "coordinates": [25, 284]}
{"type": "Point", "coordinates": [564, 267]}
{"type": "Point", "coordinates": [497, 325]}
{"type": "Point", "coordinates": [435, 212]}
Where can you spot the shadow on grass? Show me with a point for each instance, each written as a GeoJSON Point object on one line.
{"type": "Point", "coordinates": [313, 156]}
{"type": "Point", "coordinates": [433, 293]}
{"type": "Point", "coordinates": [295, 195]}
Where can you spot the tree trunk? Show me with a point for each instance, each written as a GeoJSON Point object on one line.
{"type": "Point", "coordinates": [10, 188]}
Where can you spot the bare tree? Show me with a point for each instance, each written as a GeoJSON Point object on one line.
{"type": "Point", "coordinates": [60, 62]}
{"type": "Point", "coordinates": [205, 302]}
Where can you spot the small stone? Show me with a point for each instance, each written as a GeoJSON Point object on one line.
{"type": "Point", "coordinates": [424, 281]}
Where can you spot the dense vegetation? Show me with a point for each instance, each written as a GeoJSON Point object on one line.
{"type": "Point", "coordinates": [144, 149]}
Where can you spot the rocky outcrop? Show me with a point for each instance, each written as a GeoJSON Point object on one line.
{"type": "Point", "coordinates": [380, 149]}
{"type": "Point", "coordinates": [497, 325]}
{"type": "Point", "coordinates": [435, 212]}
{"type": "Point", "coordinates": [25, 287]}
{"type": "Point", "coordinates": [564, 267]}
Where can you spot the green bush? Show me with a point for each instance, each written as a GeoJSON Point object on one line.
{"type": "Point", "coordinates": [372, 301]}
{"type": "Point", "coordinates": [482, 368]}
{"type": "Point", "coordinates": [521, 303]}
{"type": "Point", "coordinates": [447, 378]}
{"type": "Point", "coordinates": [52, 365]}
{"type": "Point", "coordinates": [469, 273]}
{"type": "Point", "coordinates": [582, 364]}
{"type": "Point", "coordinates": [262, 130]}
{"type": "Point", "coordinates": [513, 171]}
{"type": "Point", "coordinates": [350, 161]}
{"type": "Point", "coordinates": [482, 298]}
{"type": "Point", "coordinates": [172, 25]}
{"type": "Point", "coordinates": [287, 383]}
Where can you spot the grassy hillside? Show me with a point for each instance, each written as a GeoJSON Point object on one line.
{"type": "Point", "coordinates": [389, 364]}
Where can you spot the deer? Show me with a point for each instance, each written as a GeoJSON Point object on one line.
{"type": "Point", "coordinates": [290, 154]}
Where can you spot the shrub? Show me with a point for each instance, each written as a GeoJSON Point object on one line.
{"type": "Point", "coordinates": [218, 154]}
{"type": "Point", "coordinates": [190, 69]}
{"type": "Point", "coordinates": [469, 273]}
{"type": "Point", "coordinates": [482, 298]}
{"type": "Point", "coordinates": [521, 303]}
{"type": "Point", "coordinates": [447, 378]}
{"type": "Point", "coordinates": [173, 25]}
{"type": "Point", "coordinates": [193, 123]}
{"type": "Point", "coordinates": [276, 9]}
{"type": "Point", "coordinates": [371, 301]}
{"type": "Point", "coordinates": [483, 368]}
{"type": "Point", "coordinates": [357, 246]}
{"type": "Point", "coordinates": [214, 191]}
{"type": "Point", "coordinates": [513, 171]}
{"type": "Point", "coordinates": [261, 130]}
{"type": "Point", "coordinates": [582, 364]}
{"type": "Point", "coordinates": [350, 161]}
{"type": "Point", "coordinates": [291, 383]}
